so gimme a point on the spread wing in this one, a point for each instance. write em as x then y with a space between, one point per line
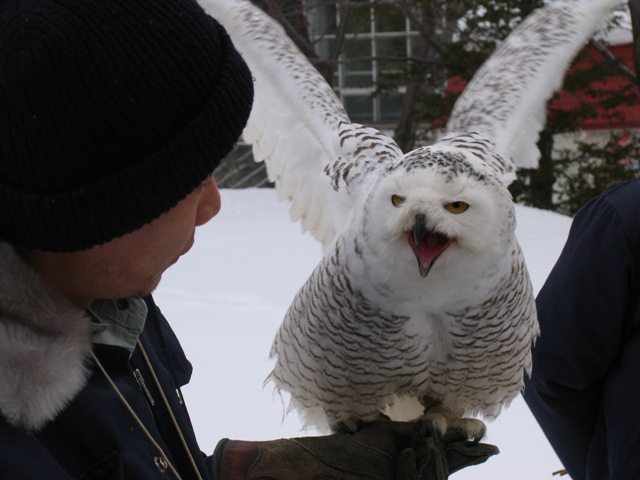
507 98
317 158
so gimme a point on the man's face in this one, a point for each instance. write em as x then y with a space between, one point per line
133 264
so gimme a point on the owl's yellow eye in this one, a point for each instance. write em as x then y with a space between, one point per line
397 200
457 207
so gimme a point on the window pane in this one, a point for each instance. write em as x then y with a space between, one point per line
389 19
358 48
360 108
390 107
357 79
321 19
357 67
324 47
391 52
392 46
359 18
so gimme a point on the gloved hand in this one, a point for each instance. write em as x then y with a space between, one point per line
380 450
431 456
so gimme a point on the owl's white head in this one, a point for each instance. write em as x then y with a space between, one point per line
439 206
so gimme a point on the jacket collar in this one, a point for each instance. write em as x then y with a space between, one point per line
45 342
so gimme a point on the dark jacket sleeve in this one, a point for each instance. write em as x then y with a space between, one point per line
584 390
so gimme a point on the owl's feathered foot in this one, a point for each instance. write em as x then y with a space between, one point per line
444 420
353 425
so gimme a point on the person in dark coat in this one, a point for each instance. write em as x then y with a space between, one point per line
584 391
113 116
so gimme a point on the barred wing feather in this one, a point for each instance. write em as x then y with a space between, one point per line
506 100
298 125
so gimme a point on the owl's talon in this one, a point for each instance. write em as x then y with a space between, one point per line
446 422
472 432
352 425
438 422
346 426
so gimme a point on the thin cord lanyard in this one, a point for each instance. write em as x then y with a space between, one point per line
164 457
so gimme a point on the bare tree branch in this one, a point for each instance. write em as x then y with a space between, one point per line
624 70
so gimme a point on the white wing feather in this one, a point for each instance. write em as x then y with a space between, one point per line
507 98
297 123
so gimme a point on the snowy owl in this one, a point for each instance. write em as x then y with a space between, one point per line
423 293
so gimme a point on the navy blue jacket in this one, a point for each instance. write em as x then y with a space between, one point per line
585 389
95 437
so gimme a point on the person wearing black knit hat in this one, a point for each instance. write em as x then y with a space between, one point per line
114 115
105 117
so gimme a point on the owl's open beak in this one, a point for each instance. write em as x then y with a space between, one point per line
427 245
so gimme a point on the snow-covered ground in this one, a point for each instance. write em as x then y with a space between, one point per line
226 298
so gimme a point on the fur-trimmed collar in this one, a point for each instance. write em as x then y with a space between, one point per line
44 345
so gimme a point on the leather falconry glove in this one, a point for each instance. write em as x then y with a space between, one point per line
379 450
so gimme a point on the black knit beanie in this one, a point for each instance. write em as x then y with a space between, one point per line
111 112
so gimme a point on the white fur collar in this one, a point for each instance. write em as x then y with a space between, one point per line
44 345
